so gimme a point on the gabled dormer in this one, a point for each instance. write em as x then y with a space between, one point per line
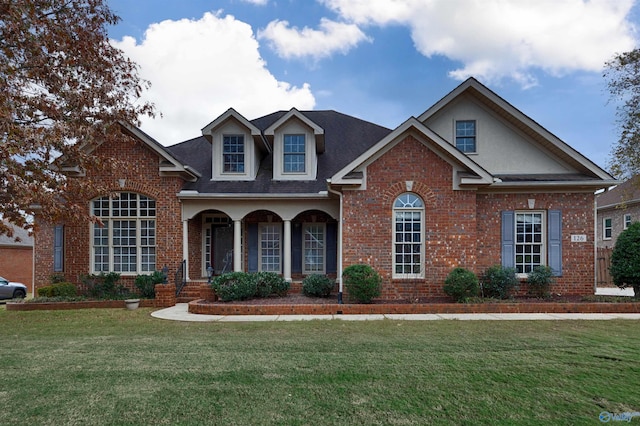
297 141
236 147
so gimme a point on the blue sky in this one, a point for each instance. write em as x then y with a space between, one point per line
381 60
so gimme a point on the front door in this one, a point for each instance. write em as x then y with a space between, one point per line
222 256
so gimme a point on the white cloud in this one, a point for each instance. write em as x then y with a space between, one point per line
257 2
295 43
500 38
200 68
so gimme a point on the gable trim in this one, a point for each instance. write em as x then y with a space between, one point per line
318 131
473 173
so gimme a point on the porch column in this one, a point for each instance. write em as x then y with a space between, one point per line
286 261
237 245
185 248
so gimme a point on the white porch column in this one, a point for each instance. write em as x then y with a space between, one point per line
185 248
286 261
237 245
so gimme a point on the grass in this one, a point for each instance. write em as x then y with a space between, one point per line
118 367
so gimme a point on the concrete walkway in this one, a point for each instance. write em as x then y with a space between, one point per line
180 313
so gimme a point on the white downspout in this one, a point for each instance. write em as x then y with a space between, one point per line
339 194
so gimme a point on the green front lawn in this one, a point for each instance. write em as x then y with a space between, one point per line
117 367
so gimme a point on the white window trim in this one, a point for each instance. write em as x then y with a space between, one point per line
627 223
455 137
306 226
261 225
109 220
423 249
306 155
217 166
294 128
544 244
604 228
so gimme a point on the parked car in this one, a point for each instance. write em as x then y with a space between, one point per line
10 290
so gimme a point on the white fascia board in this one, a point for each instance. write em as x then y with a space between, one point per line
519 115
596 184
206 130
318 131
155 146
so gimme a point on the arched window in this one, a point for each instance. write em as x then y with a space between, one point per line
408 246
125 240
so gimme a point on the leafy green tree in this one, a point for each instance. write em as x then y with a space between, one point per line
64 86
625 259
623 79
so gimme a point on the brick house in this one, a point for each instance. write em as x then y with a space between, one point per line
471 182
16 257
616 209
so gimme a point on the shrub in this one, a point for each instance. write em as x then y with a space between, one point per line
363 282
57 278
60 289
234 286
104 286
498 281
146 284
461 284
625 259
540 280
317 285
268 283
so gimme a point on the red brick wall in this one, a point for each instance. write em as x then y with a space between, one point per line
462 228
578 259
450 219
142 176
16 264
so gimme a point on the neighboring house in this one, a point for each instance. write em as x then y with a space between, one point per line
16 256
617 208
471 182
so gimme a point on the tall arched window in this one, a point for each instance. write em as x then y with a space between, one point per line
408 247
125 240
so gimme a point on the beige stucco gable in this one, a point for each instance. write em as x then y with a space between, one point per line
501 148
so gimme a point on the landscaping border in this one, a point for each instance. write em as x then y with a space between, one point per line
84 304
201 306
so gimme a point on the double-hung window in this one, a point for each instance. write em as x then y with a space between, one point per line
313 240
466 135
125 240
627 220
233 154
529 241
607 227
270 253
294 151
408 247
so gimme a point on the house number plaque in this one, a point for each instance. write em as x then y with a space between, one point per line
579 238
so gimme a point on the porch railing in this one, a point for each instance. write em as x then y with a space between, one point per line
181 277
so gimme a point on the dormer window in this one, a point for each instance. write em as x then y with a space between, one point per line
294 154
233 154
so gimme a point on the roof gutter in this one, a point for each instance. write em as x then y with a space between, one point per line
194 195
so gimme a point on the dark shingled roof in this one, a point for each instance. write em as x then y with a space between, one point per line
626 192
346 138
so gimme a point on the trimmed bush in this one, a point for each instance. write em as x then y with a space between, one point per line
268 283
104 286
146 284
234 286
362 282
625 259
498 281
461 284
317 285
60 289
540 280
